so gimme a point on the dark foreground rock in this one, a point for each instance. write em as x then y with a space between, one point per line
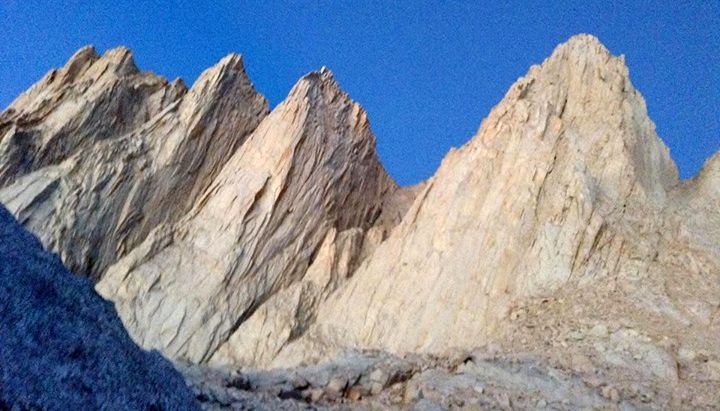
62 347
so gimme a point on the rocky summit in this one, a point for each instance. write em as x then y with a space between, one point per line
555 260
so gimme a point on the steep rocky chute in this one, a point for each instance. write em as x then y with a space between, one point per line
64 347
101 153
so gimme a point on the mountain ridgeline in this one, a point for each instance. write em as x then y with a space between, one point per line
230 235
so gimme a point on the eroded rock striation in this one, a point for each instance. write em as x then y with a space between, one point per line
99 153
293 203
63 346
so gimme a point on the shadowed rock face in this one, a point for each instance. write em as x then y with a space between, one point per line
63 347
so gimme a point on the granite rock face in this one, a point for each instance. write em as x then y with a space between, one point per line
91 98
292 204
561 231
559 236
241 205
99 153
563 186
63 347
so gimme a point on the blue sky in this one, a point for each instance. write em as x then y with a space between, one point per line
426 72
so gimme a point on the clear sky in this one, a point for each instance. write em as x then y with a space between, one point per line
426 72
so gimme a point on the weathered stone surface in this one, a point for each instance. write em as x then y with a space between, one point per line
307 172
565 210
564 185
91 99
288 312
106 178
225 236
63 347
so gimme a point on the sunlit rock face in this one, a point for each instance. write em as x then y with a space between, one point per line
303 190
564 185
97 154
234 236
201 180
561 229
63 346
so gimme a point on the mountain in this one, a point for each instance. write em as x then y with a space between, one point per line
97 154
305 184
559 230
559 238
242 203
561 187
64 347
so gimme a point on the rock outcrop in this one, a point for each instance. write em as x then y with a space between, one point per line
559 236
282 224
64 347
559 188
99 153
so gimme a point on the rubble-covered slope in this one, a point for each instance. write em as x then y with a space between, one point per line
63 347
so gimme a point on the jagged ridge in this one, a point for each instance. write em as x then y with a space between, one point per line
563 216
114 178
308 171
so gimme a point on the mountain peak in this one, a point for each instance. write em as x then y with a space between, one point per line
309 169
322 76
584 43
317 83
224 83
83 55
226 234
122 59
232 61
583 88
325 71
584 56
229 67
568 151
584 50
